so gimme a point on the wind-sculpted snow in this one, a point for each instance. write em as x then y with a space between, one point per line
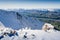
28 34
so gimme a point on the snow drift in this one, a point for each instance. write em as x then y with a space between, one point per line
28 34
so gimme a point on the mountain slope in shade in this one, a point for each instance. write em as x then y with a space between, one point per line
17 20
1 25
9 19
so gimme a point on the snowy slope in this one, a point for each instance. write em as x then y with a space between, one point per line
28 34
16 20
33 35
1 25
10 21
40 35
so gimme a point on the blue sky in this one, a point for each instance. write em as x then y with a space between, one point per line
29 4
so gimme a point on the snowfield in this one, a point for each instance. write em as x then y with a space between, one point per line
34 35
28 33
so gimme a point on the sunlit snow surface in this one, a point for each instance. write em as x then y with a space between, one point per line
38 35
28 34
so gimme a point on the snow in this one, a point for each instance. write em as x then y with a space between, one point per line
32 34
49 25
25 32
29 34
39 35
1 25
19 20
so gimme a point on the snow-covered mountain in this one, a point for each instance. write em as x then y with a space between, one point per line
17 20
10 21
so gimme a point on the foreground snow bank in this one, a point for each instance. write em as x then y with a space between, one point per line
28 34
34 35
39 35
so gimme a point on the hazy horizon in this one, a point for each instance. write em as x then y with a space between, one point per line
29 4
